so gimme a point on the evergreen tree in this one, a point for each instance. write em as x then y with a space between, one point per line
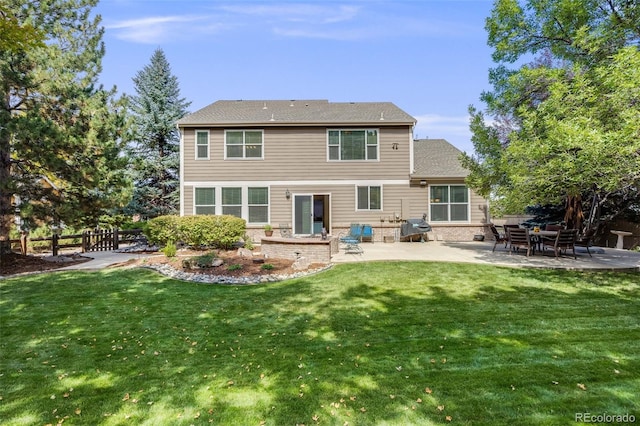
56 125
156 148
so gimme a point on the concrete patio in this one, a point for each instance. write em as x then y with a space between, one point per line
604 258
480 252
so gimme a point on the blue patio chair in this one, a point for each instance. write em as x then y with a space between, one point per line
352 240
367 233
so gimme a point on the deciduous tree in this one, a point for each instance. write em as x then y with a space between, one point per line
568 123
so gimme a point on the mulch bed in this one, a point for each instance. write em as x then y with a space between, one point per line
15 263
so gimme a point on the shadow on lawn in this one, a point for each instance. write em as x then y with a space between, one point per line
367 349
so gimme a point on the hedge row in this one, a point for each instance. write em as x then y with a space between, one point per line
196 231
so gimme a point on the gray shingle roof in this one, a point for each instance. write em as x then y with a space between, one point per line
292 112
437 158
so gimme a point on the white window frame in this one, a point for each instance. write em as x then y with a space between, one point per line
217 188
449 203
244 144
369 209
222 205
214 205
268 205
366 145
198 145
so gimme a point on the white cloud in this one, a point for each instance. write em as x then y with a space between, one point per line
156 29
455 129
432 124
295 20
307 13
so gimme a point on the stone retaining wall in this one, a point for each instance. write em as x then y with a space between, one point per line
315 250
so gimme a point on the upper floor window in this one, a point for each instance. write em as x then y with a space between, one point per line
369 198
346 145
243 144
202 144
449 203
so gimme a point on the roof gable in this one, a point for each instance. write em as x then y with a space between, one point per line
297 112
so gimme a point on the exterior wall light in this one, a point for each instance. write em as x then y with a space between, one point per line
287 194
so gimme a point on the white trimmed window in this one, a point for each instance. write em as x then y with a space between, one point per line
243 144
258 201
202 144
352 145
369 198
205 201
449 203
232 201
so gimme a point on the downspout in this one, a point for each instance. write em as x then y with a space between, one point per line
411 163
181 187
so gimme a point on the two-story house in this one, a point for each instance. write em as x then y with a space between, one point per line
316 164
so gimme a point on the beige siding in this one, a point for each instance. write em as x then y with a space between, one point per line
295 159
296 154
187 196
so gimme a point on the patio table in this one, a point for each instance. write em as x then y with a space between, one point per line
538 235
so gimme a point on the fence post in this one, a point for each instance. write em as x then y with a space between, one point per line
116 239
54 244
23 243
84 241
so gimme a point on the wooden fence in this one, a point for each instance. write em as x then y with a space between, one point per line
87 241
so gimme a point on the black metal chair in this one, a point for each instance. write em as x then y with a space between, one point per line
498 237
584 240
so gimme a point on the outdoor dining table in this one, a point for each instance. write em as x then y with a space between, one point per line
537 236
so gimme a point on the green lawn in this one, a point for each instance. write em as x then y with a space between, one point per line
360 344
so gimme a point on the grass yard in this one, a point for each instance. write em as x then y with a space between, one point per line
362 344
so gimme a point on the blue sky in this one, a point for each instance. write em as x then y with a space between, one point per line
428 57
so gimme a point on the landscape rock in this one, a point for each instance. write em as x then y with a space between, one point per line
245 253
300 263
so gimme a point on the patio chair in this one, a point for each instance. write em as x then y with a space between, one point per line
367 233
352 240
520 238
285 230
584 240
564 241
498 237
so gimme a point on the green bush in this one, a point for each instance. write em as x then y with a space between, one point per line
170 249
204 260
234 267
248 242
197 231
267 266
162 229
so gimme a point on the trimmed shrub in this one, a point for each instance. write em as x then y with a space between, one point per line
162 229
197 231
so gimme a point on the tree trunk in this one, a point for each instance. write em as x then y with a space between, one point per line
574 216
6 194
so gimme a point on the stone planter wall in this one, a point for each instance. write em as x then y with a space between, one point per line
315 250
